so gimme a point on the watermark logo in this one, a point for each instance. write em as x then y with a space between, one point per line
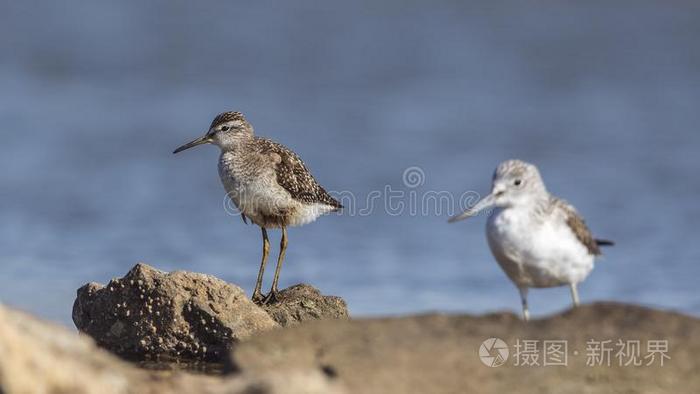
413 177
412 197
493 352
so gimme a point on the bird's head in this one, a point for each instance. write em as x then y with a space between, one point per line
514 183
226 131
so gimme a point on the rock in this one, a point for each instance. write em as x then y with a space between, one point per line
187 316
38 357
182 315
43 358
268 382
301 303
440 353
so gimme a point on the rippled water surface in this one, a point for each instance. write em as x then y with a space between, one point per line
602 95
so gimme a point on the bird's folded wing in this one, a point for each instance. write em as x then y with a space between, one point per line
294 177
578 227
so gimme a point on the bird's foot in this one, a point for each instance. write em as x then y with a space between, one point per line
258 297
271 297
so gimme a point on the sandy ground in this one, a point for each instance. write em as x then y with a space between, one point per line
607 349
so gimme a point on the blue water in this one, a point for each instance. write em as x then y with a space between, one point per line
601 95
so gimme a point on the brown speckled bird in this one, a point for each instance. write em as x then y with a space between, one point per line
269 184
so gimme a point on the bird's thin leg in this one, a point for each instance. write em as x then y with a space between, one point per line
523 299
275 281
574 294
257 294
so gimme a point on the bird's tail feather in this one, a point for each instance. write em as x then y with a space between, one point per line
604 242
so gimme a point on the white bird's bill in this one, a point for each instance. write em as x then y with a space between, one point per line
485 203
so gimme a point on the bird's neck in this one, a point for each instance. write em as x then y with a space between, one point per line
236 144
533 205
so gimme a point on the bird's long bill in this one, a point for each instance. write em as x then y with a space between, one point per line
485 203
199 141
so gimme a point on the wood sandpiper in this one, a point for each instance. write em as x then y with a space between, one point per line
269 184
538 239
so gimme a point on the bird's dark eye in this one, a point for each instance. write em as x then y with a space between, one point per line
517 182
224 128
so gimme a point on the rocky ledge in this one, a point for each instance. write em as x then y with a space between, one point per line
187 316
415 354
300 346
39 357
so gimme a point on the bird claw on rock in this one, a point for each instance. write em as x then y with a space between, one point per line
258 298
271 297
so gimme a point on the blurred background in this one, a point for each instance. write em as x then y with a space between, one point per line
94 96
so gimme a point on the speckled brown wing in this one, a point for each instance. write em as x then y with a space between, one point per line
579 228
294 177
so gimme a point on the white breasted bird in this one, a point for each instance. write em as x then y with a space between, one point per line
538 239
269 184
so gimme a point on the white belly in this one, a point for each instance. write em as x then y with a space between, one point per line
262 200
537 254
256 198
